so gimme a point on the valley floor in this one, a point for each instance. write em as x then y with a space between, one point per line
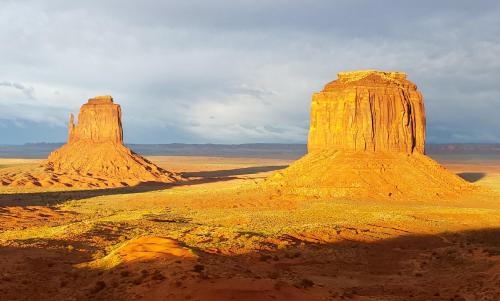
215 237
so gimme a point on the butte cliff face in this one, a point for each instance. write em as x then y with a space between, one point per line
95 149
368 110
94 155
99 121
367 140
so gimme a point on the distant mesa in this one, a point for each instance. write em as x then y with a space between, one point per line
367 141
94 155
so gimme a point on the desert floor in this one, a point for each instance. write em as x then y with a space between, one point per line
213 238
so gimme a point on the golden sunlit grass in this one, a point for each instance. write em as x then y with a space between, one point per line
227 215
231 216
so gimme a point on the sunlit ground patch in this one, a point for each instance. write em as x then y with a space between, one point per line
143 249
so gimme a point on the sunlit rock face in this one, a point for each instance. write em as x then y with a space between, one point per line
94 157
99 120
367 141
95 150
368 111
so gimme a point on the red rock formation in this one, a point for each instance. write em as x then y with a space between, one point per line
366 141
368 110
94 155
99 120
95 148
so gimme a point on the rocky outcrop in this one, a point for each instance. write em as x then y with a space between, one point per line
368 111
99 120
94 155
367 141
95 148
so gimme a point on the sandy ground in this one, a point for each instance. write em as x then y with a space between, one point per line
214 237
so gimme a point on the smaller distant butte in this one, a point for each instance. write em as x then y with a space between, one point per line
94 156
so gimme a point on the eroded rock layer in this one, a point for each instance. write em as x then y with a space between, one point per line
99 120
94 155
366 141
368 110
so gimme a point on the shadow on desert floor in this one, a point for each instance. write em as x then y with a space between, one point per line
233 172
192 178
51 198
472 177
448 266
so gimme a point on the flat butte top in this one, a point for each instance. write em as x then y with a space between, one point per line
369 78
103 99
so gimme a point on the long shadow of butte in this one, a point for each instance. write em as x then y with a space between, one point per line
233 172
51 198
472 177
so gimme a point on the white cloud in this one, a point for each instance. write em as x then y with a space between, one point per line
238 71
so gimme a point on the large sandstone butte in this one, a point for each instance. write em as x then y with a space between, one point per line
367 141
95 148
94 155
99 121
368 111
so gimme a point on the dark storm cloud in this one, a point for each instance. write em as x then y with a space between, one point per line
242 71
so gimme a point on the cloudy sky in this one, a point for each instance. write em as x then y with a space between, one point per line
235 71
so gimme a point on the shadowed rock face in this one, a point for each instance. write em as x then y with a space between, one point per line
366 141
368 111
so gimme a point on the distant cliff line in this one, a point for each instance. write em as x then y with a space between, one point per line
263 150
